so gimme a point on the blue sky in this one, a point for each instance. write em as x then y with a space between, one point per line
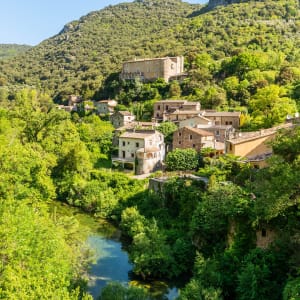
31 21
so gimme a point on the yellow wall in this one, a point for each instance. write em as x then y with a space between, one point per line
253 147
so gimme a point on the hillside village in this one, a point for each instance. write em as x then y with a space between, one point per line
151 150
141 147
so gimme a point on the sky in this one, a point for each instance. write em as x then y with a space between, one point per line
32 21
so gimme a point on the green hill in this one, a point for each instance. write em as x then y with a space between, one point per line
87 51
9 50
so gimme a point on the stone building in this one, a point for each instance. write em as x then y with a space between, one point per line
132 126
105 107
254 146
223 117
189 137
121 118
150 69
162 109
195 122
221 132
143 149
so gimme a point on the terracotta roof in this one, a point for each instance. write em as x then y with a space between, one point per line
125 113
185 112
222 114
136 135
199 131
170 101
149 59
197 117
253 135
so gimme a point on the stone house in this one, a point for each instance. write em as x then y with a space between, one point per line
73 100
223 117
165 107
121 118
105 107
189 137
221 132
143 149
195 122
254 146
133 126
150 69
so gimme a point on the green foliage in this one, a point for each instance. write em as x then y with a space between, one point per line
117 291
182 160
9 50
270 107
37 263
167 129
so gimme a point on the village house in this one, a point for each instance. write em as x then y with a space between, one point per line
195 122
189 137
254 146
144 150
105 107
133 126
73 100
150 69
121 118
221 132
163 110
223 117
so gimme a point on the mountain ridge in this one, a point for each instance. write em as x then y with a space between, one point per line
87 51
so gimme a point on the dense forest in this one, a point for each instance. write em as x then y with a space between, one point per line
49 155
243 56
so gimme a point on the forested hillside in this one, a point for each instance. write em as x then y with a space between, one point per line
9 50
87 51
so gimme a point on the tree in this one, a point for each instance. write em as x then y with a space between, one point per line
269 107
117 291
182 160
167 129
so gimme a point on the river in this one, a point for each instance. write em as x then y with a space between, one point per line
111 261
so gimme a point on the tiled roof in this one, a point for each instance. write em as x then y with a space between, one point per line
125 113
136 135
222 114
185 112
149 59
248 136
199 131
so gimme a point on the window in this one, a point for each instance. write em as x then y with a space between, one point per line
137 144
263 232
230 147
132 155
157 114
172 66
167 107
194 146
179 142
128 143
226 123
217 133
230 123
158 107
191 136
179 133
123 143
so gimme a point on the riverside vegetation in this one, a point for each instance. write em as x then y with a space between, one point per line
244 56
47 154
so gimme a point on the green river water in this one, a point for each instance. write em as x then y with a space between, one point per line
110 261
